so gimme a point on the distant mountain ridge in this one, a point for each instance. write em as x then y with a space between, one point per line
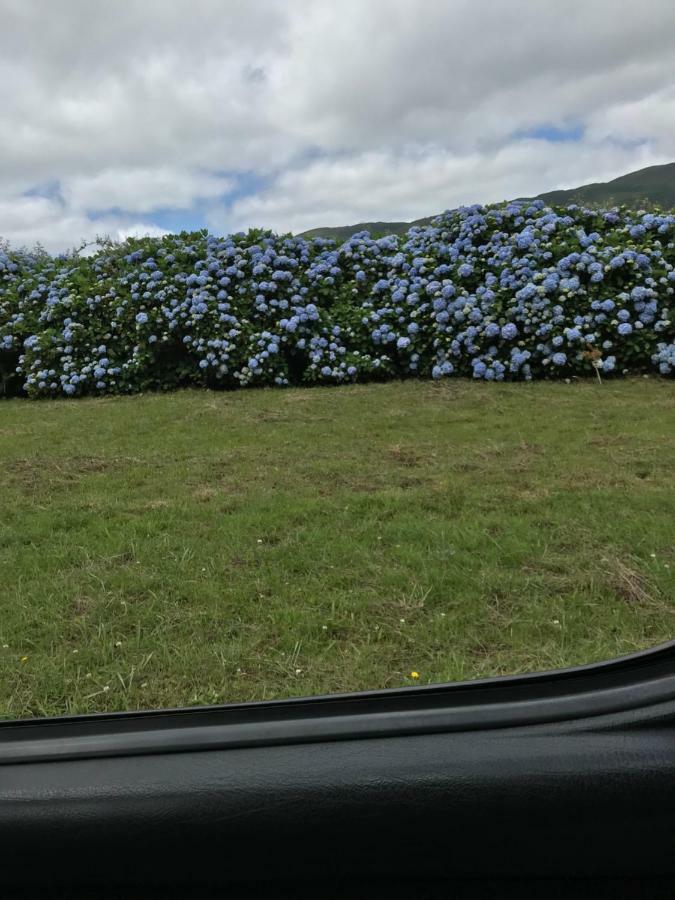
653 186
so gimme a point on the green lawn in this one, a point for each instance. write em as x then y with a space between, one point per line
195 547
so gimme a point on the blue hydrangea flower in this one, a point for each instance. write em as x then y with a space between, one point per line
352 308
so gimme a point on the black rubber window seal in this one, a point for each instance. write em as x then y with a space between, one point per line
640 680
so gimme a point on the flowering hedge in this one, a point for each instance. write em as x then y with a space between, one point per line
519 291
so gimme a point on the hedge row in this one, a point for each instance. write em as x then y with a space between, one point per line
519 291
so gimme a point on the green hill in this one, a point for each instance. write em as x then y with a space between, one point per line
653 186
377 229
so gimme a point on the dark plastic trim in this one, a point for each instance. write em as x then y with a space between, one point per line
640 680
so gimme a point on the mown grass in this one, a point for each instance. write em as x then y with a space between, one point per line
202 547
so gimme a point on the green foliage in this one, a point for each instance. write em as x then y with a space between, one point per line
514 292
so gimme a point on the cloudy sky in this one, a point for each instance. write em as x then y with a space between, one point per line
145 116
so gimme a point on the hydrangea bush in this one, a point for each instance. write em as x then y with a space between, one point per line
519 291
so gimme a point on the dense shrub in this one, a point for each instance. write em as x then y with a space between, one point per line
519 291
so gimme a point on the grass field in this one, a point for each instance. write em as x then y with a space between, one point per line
207 547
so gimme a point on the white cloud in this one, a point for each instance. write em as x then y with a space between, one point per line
466 74
30 220
652 116
140 230
403 105
142 190
385 185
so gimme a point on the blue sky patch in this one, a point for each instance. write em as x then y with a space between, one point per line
553 133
